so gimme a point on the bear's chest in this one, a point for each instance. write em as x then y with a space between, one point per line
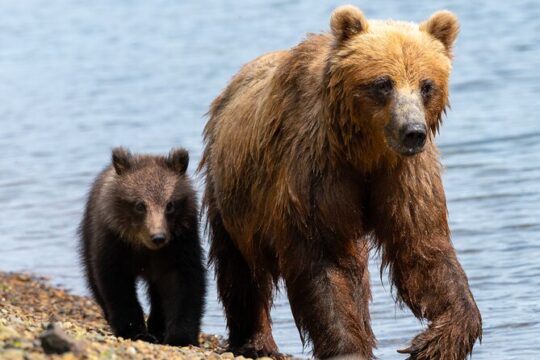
150 265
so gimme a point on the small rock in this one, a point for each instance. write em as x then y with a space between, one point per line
131 350
55 341
7 332
23 277
15 320
12 354
227 355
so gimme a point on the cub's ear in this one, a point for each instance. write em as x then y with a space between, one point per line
443 26
178 160
122 160
347 21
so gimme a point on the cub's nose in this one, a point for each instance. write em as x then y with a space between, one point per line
158 239
413 137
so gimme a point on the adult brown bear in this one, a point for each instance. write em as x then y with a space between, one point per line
316 152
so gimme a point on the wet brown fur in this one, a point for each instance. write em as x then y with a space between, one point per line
117 249
300 177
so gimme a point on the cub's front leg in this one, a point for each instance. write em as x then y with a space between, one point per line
181 301
125 315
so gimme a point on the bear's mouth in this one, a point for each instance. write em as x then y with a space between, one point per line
154 243
411 151
153 246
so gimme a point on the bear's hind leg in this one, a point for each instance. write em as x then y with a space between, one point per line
92 285
89 265
247 301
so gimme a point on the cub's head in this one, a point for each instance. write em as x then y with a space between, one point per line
389 79
149 198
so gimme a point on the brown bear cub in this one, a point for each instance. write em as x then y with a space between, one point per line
141 221
317 153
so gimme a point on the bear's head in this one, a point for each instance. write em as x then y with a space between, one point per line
149 198
388 80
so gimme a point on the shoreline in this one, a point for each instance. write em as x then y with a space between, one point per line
28 304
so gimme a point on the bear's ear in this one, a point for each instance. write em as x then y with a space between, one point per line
347 21
121 160
178 160
443 26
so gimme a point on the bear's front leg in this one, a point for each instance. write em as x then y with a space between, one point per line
408 214
156 319
435 287
181 299
329 293
124 313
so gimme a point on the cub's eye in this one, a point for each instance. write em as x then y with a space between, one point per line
140 207
427 88
169 208
383 85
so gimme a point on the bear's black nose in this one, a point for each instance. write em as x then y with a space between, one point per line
158 239
413 137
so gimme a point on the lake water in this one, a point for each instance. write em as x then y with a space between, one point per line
77 78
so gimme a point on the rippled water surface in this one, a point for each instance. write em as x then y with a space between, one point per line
77 78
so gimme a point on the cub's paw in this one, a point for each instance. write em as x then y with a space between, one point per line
146 337
181 339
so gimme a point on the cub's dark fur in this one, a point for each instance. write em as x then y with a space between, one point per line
141 221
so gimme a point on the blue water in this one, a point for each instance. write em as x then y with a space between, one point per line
77 78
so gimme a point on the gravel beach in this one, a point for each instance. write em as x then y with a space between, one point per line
38 321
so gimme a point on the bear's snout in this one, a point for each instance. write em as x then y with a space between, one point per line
406 132
159 239
413 137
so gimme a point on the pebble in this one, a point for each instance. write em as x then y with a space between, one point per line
227 355
7 332
131 350
12 354
15 320
55 341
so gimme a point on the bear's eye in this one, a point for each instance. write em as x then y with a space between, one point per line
427 88
381 89
140 207
169 208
